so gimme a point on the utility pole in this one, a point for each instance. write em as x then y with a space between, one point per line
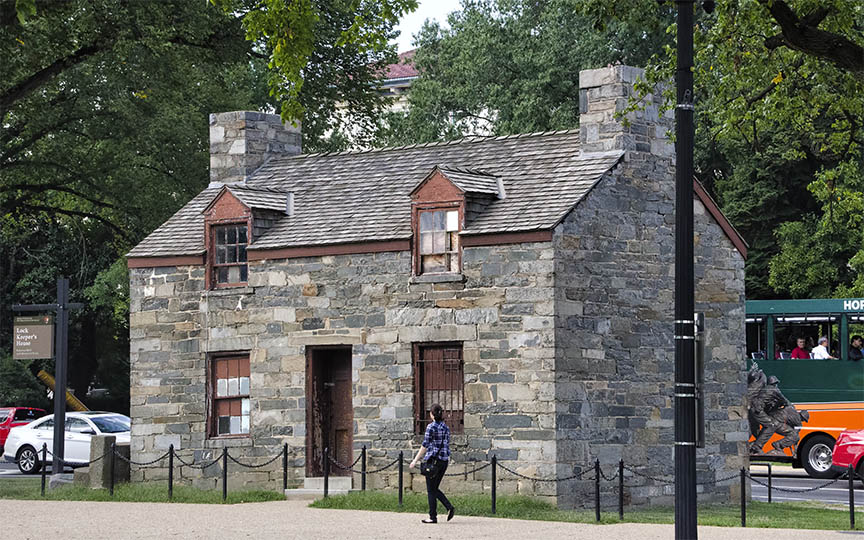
685 368
61 359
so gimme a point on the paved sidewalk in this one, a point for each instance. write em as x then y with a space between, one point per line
41 520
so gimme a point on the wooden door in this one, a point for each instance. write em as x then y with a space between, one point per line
329 409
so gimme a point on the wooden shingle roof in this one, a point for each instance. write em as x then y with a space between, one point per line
363 196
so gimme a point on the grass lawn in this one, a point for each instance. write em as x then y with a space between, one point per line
29 488
759 514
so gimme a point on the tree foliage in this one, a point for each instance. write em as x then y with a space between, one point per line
512 66
324 57
104 111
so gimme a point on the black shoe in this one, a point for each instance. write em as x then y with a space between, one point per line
429 520
451 513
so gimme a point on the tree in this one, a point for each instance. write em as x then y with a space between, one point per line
104 107
324 57
512 66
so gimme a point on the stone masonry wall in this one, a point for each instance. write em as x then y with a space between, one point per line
503 314
615 359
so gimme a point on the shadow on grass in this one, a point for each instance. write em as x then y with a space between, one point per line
759 514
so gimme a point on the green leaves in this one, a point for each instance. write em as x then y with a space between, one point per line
295 34
512 66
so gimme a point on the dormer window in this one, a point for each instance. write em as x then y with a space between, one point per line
237 216
229 257
439 241
442 203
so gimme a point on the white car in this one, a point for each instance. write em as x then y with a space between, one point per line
24 444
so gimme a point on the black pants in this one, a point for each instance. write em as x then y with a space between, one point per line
435 494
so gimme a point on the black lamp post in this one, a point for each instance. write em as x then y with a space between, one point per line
685 369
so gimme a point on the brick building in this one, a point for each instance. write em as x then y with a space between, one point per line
525 282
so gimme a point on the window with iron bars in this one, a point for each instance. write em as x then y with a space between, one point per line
439 378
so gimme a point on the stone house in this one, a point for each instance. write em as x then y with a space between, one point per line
524 282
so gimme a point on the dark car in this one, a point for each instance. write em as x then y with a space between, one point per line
16 416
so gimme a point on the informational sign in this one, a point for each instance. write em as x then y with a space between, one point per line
33 337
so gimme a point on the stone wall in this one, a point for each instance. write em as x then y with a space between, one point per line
615 358
502 312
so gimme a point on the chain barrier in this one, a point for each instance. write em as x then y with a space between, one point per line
69 464
803 490
279 455
140 463
480 468
608 479
534 479
657 479
352 469
193 465
718 480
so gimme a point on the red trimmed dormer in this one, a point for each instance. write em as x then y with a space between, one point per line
233 219
441 204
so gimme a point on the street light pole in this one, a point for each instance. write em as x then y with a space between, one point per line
685 370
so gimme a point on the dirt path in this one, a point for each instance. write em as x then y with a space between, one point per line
49 520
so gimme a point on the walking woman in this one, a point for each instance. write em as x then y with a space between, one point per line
435 453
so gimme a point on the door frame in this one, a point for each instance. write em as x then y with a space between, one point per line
311 351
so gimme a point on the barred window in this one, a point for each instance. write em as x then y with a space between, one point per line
229 254
439 378
230 390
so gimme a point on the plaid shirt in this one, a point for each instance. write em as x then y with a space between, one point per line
437 441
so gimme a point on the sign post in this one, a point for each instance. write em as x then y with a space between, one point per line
34 341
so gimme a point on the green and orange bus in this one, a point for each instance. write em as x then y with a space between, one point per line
831 390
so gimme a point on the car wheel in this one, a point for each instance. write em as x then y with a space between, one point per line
28 460
816 456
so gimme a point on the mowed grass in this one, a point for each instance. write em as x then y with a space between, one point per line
29 488
759 514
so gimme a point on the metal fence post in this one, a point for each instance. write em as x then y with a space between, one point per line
769 482
285 466
621 489
743 499
494 483
851 497
401 466
597 489
170 471
44 465
326 464
111 472
225 474
363 469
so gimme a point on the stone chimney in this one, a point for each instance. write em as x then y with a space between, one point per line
242 141
606 91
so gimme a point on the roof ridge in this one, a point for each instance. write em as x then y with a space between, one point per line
466 170
464 140
256 188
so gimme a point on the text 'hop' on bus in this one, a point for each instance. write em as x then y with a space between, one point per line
830 389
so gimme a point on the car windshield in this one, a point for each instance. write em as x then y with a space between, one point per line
111 424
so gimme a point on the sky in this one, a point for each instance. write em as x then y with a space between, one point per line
428 9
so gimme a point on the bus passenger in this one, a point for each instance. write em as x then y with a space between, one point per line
820 352
800 352
855 350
